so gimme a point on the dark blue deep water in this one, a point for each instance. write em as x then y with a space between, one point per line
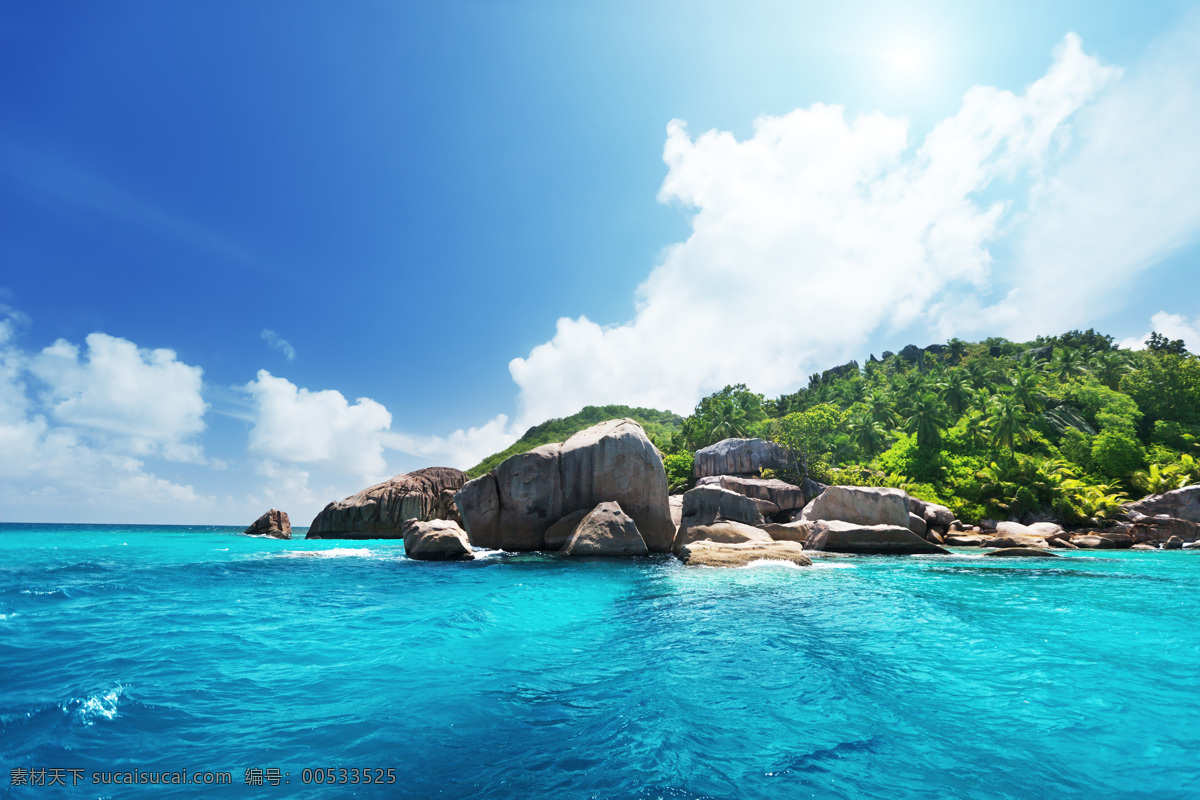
175 648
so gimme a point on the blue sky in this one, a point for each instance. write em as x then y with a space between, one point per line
264 254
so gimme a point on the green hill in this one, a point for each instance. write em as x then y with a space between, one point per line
659 425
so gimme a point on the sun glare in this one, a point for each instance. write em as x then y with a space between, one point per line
906 61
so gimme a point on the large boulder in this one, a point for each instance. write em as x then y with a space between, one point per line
436 540
917 524
274 523
675 502
380 511
715 554
724 531
862 505
558 533
966 540
511 507
740 457
1180 503
1159 529
606 531
705 505
772 495
836 536
788 531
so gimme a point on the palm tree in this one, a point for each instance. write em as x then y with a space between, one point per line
1159 479
879 408
1108 366
926 418
955 349
955 391
1068 365
1007 421
730 422
868 435
1025 383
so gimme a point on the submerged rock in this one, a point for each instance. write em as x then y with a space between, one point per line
606 531
714 554
836 536
274 523
1022 552
380 511
513 506
436 540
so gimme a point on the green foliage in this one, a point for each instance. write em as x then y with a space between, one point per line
680 470
812 436
659 426
1177 435
1165 386
732 413
1116 454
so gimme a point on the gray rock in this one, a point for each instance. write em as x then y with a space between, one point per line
938 515
606 531
675 502
436 540
788 531
725 531
1181 504
836 536
705 505
274 523
380 511
1174 543
863 505
558 533
775 493
740 457
713 554
917 525
513 506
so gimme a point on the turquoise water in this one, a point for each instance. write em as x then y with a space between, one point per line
522 677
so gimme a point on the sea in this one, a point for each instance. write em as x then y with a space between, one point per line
252 667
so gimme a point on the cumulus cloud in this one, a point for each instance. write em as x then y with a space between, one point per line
463 448
85 467
1172 326
144 402
279 343
808 237
299 426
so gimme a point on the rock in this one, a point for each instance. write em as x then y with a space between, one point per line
1041 353
1061 541
1174 543
1090 542
783 496
740 457
379 512
862 505
1191 545
705 505
436 540
675 502
910 353
1179 504
726 532
1013 529
1143 546
1159 529
932 535
812 489
837 536
938 515
964 540
995 351
1022 552
1047 529
513 506
274 523
606 531
558 533
1011 539
956 526
712 554
789 531
917 524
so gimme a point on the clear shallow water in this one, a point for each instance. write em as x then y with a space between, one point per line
519 677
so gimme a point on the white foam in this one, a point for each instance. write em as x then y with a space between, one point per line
336 552
772 562
833 564
99 705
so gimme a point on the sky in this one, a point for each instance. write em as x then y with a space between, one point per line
265 255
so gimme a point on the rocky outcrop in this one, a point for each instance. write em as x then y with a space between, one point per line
513 506
862 505
436 540
1022 552
772 495
274 523
917 524
789 531
675 502
836 536
724 531
1174 543
1157 530
966 540
558 533
380 511
1179 504
606 531
740 457
705 505
1102 540
714 554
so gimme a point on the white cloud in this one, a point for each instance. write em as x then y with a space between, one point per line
299 426
279 343
138 401
1172 326
84 470
807 238
462 448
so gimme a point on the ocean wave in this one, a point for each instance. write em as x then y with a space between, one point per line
336 552
97 705
772 563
